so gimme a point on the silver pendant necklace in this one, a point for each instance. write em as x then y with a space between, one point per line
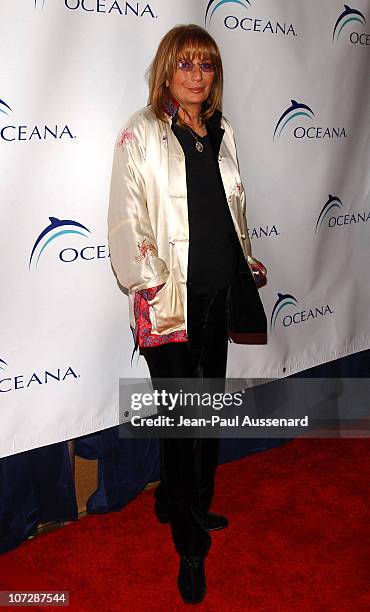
198 144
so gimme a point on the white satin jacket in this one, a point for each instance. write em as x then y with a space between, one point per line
148 216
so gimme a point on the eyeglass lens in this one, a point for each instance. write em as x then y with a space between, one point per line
188 66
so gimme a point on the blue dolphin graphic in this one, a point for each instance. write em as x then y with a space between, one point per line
296 106
54 223
219 3
279 304
346 13
332 202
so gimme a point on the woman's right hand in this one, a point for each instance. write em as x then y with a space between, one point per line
259 272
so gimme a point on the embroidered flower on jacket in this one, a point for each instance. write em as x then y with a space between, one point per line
238 186
144 249
126 136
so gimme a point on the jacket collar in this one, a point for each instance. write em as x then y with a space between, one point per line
171 108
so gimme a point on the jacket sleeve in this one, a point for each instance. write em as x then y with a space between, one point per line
132 245
243 199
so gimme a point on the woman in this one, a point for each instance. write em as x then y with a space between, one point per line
179 244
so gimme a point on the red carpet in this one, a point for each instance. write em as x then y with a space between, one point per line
299 539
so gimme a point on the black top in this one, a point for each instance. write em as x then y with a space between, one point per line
212 248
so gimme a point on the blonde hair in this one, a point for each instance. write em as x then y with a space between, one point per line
183 42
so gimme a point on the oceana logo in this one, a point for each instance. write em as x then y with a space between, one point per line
3 364
332 215
37 379
247 24
114 7
299 109
345 26
62 227
213 5
282 312
4 107
16 132
266 231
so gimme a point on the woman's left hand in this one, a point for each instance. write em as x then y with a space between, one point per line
259 273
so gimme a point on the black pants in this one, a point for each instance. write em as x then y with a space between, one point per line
188 465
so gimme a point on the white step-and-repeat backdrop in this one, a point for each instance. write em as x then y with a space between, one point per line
72 71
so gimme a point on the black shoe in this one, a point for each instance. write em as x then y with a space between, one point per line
212 521
208 520
191 579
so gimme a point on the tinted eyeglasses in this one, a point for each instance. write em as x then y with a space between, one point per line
188 66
